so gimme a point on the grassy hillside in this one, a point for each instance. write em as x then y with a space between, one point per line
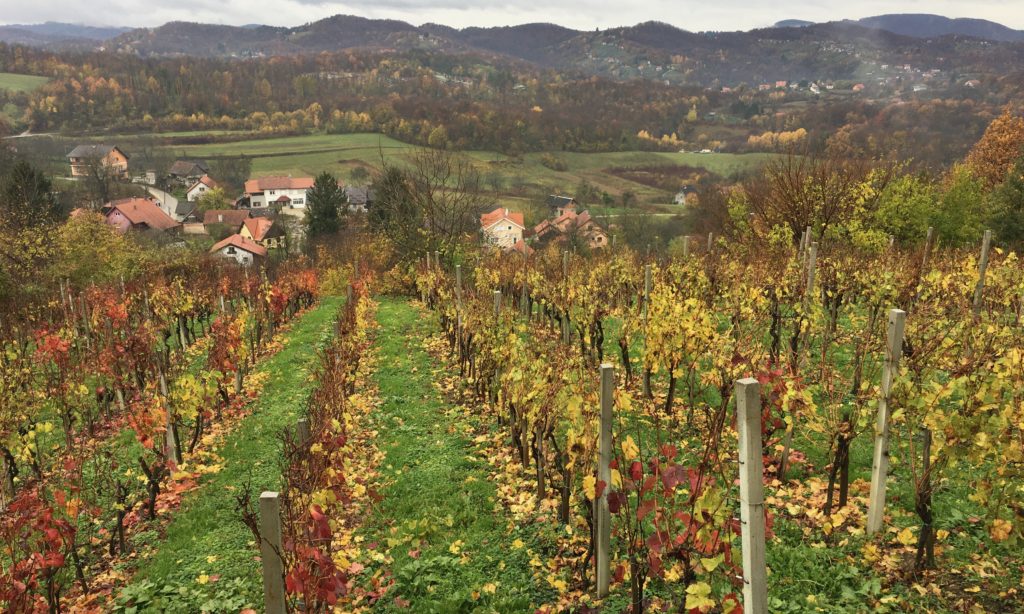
20 83
515 177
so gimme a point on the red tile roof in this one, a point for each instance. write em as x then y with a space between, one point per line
258 227
142 211
521 247
240 242
489 219
205 180
231 217
278 183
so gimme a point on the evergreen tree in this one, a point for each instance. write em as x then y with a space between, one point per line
1008 206
27 198
325 203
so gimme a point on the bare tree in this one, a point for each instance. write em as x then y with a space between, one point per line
798 190
429 205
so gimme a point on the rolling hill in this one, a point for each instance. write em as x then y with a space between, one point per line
791 50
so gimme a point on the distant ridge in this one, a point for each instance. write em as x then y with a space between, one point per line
792 23
792 50
926 25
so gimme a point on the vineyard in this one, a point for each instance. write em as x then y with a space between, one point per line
742 427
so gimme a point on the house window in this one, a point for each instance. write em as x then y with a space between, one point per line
298 201
231 250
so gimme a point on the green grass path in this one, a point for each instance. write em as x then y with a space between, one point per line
206 536
438 503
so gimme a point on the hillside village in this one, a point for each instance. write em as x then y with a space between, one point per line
266 215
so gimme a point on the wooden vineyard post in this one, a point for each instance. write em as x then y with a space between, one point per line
755 571
566 328
686 247
496 384
602 516
787 438
302 434
880 462
647 300
270 553
524 299
986 245
348 295
6 484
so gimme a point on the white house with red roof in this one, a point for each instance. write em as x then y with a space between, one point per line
200 187
502 228
240 249
287 192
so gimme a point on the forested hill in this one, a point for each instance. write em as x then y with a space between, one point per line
651 50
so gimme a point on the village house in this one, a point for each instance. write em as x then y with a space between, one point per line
560 204
502 228
240 249
110 157
685 195
200 187
570 224
187 172
179 211
359 198
232 219
287 192
138 214
263 231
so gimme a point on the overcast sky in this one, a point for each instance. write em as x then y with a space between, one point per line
581 14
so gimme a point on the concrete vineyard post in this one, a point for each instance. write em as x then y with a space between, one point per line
602 516
812 264
302 434
927 250
458 287
437 259
880 462
686 247
711 241
270 553
755 571
979 290
647 289
497 303
170 435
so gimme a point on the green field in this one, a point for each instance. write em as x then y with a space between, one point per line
20 83
518 178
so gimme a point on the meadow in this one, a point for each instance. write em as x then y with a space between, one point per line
513 177
20 83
